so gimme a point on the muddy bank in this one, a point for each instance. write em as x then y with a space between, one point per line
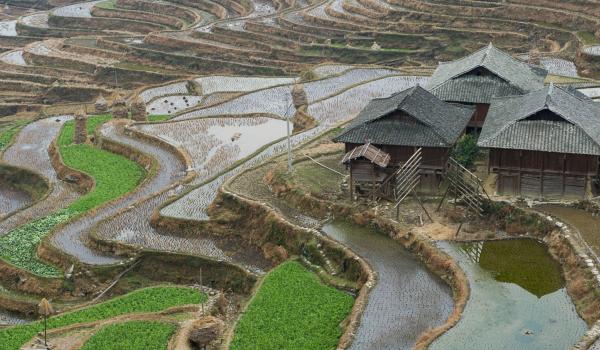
8 318
12 199
407 299
584 221
19 188
518 299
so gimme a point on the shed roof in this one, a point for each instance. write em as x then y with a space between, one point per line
577 131
450 81
370 152
437 123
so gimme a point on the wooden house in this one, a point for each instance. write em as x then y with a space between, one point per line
544 144
476 79
396 127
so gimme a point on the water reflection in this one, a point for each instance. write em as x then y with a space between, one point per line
518 300
523 262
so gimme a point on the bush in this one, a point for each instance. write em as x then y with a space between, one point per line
466 151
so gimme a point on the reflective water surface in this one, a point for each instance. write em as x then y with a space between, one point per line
518 299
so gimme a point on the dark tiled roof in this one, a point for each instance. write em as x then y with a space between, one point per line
474 89
512 72
370 152
507 126
437 123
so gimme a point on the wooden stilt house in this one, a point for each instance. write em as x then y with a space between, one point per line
544 144
487 73
389 130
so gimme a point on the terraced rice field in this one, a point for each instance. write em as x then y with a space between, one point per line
407 299
244 58
8 28
81 10
212 84
30 151
14 58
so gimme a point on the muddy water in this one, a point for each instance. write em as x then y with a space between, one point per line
518 299
12 199
587 225
8 318
407 298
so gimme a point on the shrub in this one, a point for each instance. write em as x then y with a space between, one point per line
466 151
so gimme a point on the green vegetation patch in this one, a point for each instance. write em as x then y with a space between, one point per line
114 176
158 117
8 132
466 151
133 335
107 5
318 179
293 309
588 38
152 299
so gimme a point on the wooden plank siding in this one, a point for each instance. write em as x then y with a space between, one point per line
542 174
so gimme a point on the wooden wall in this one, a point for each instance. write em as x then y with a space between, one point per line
434 158
547 162
542 174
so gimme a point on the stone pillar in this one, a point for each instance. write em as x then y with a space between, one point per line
101 105
80 128
534 57
138 110
119 109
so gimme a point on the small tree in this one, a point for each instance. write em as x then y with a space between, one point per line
466 151
45 309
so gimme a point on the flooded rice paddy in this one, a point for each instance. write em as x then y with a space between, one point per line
587 224
12 199
518 299
407 299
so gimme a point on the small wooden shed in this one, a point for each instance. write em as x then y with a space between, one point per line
545 144
393 128
487 73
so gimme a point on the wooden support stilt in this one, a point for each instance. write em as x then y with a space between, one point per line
458 230
422 206
443 198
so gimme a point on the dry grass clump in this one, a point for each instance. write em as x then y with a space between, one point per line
581 284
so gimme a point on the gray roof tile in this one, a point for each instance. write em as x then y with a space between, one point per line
506 125
439 124
512 72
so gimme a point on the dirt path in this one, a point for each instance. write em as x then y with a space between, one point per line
71 238
30 150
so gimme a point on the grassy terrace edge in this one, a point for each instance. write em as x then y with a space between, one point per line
152 299
114 176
